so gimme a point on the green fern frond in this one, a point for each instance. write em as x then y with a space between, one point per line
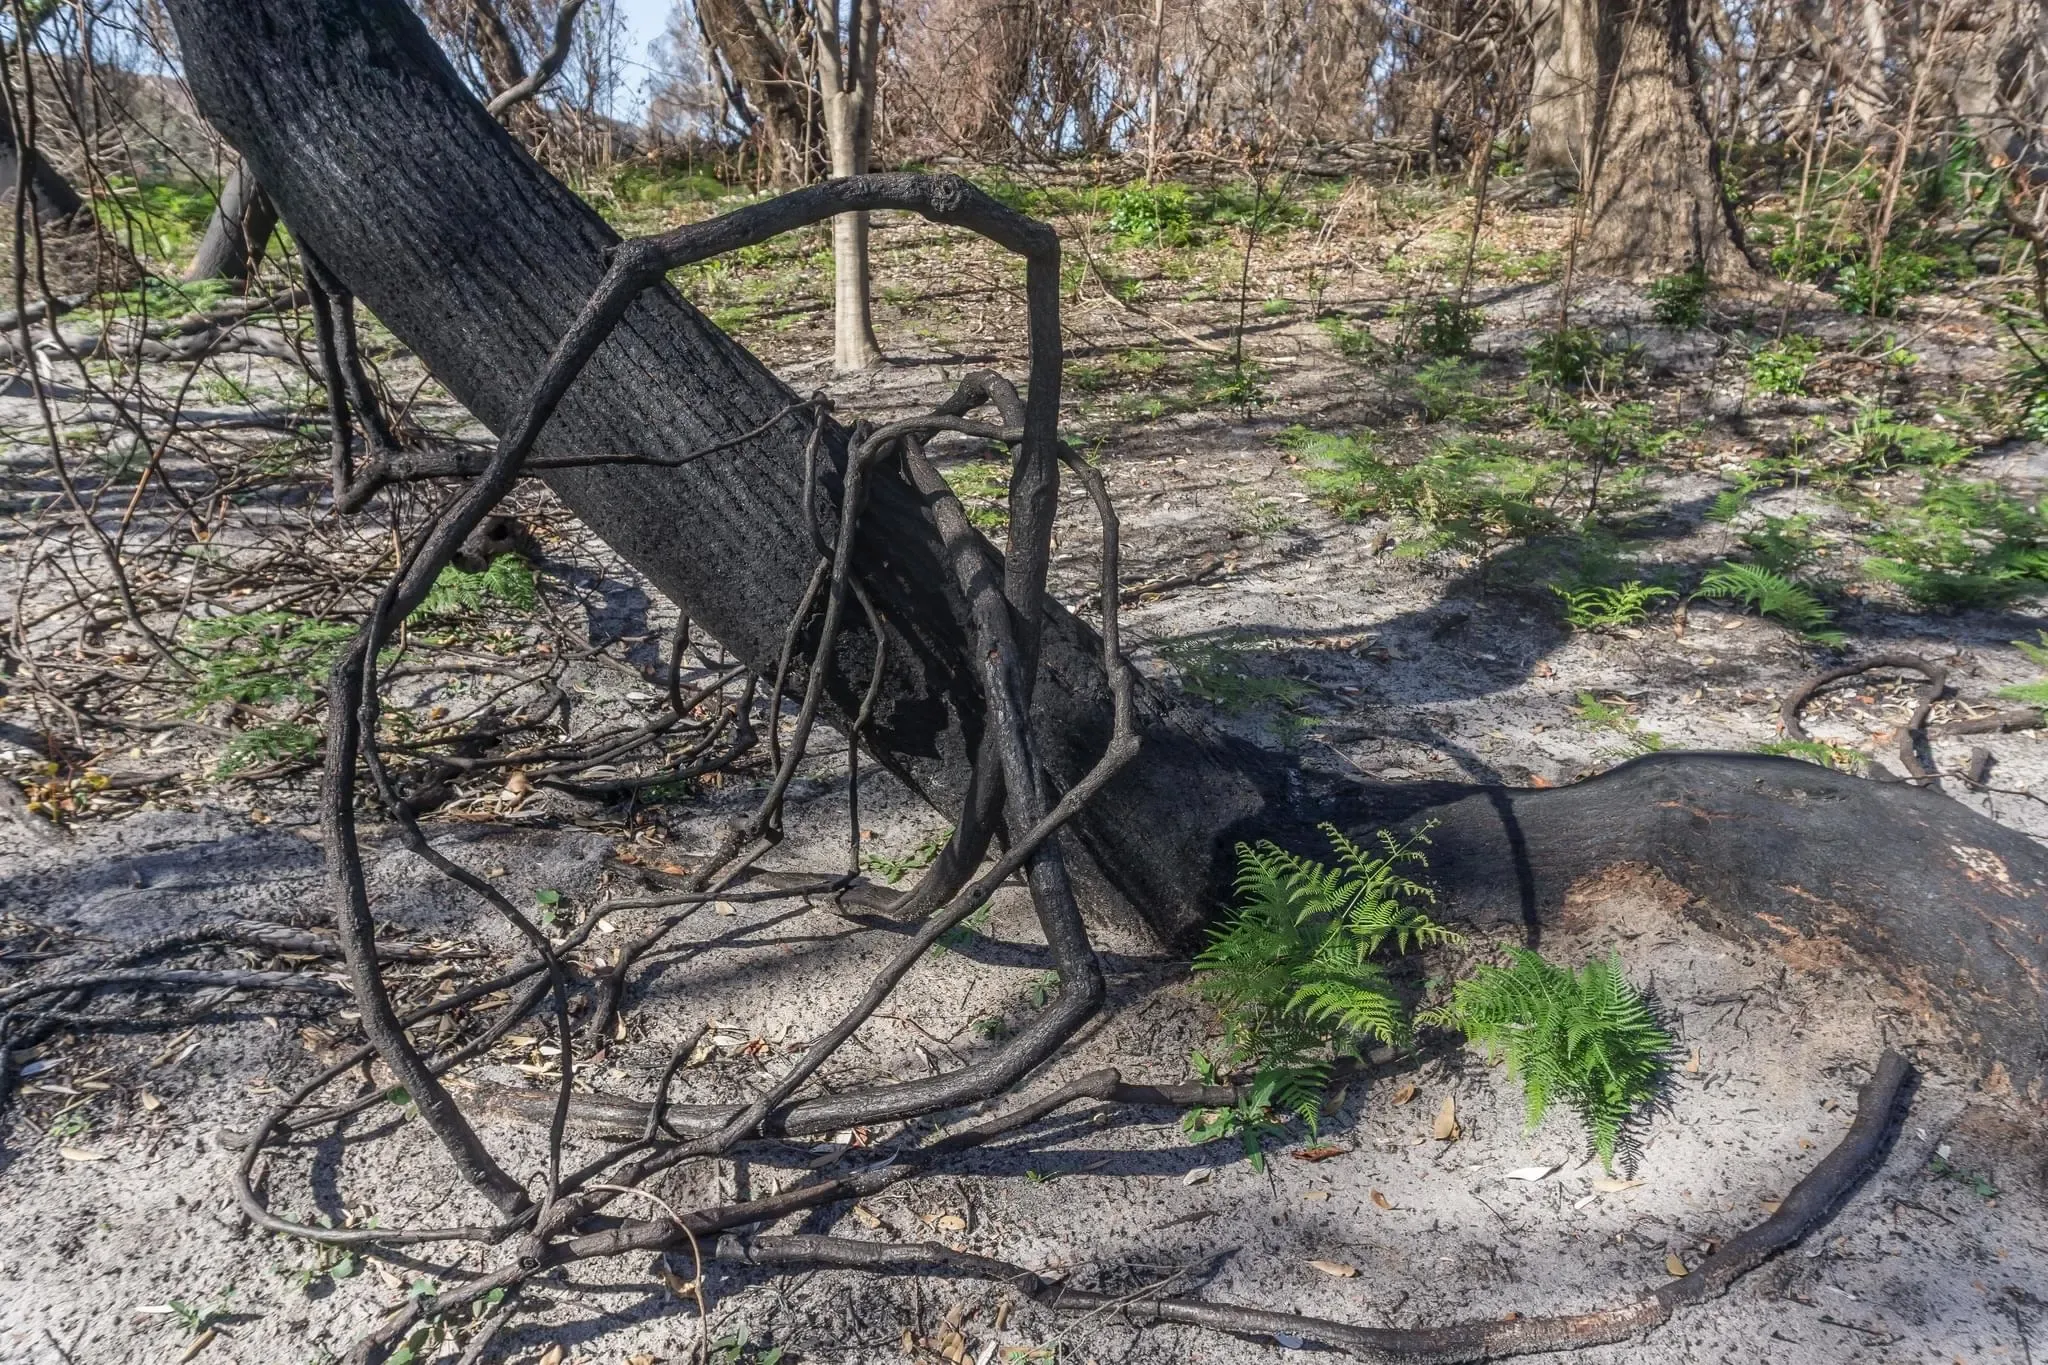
1770 594
1294 969
1587 1038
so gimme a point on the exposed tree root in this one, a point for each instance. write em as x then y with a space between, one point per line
1806 1207
1912 736
1817 867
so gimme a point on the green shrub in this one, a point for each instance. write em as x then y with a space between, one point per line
265 656
1579 358
1782 366
1781 544
1443 328
1879 291
1962 544
1681 300
1216 672
1232 384
265 745
1468 492
1609 608
1150 215
1447 389
1837 756
1353 340
1586 1038
1625 431
1882 442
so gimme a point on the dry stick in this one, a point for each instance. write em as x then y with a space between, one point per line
299 982
1913 734
1009 652
24 126
1809 1204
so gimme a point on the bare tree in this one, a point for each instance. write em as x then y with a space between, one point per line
761 53
847 47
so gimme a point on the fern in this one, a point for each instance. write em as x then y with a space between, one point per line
1605 608
1584 1038
1294 972
508 580
1773 595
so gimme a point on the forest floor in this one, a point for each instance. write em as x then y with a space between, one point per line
1335 541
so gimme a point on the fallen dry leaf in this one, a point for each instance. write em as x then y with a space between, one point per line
1317 1195
1693 1065
1405 1093
1672 1265
952 1222
80 1154
1528 1172
1446 1129
1320 1153
1608 1184
1198 1175
1770 1206
151 1102
1380 1201
552 1355
865 1217
199 1343
1340 1269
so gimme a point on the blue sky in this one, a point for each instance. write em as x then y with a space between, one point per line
644 21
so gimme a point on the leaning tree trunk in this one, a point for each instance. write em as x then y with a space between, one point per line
478 260
238 233
1657 204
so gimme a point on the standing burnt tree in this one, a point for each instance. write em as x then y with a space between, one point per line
1657 202
796 541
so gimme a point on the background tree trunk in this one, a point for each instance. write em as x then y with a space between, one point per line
1656 184
238 233
478 260
1566 74
846 79
55 204
764 60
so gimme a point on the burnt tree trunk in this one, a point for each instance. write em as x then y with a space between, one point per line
238 233
1657 204
478 260
51 198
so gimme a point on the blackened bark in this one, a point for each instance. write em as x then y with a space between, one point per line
396 178
238 233
401 184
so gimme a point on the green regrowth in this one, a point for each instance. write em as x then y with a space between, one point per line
1585 1038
